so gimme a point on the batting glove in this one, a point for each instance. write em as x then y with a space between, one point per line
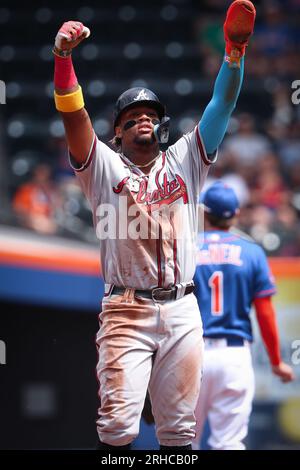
69 36
238 27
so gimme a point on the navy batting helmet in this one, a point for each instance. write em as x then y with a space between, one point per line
220 200
136 96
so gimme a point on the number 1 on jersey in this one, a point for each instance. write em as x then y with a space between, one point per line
215 282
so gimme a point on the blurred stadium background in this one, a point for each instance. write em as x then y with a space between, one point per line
50 289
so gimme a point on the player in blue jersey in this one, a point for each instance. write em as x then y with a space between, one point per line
232 274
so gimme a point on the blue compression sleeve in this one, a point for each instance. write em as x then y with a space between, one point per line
215 118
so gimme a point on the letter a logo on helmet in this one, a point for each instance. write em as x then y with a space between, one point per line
142 96
135 97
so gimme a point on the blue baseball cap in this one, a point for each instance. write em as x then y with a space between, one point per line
220 200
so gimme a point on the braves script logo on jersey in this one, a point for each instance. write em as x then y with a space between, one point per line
166 193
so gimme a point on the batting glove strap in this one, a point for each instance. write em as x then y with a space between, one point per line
61 52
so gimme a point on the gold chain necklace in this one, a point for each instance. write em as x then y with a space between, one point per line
147 164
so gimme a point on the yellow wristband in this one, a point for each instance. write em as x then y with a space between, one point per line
69 103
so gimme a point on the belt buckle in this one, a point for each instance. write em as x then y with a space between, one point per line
157 290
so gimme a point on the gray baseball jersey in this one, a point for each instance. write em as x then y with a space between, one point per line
146 224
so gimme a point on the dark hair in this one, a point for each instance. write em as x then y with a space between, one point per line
219 222
116 142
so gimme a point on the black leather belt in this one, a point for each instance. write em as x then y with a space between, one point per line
158 294
235 341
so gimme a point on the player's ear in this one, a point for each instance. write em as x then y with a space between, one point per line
118 132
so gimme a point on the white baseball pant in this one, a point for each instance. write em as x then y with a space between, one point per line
143 344
226 395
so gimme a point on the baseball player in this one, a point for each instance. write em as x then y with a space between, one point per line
144 208
232 273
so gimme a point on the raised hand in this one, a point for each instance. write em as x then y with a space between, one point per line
69 36
238 27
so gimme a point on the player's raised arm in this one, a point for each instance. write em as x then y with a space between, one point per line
238 27
68 94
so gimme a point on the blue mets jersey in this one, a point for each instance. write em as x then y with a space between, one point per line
231 272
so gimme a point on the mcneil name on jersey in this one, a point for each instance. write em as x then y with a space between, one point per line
220 253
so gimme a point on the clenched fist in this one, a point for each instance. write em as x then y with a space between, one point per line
238 27
69 36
